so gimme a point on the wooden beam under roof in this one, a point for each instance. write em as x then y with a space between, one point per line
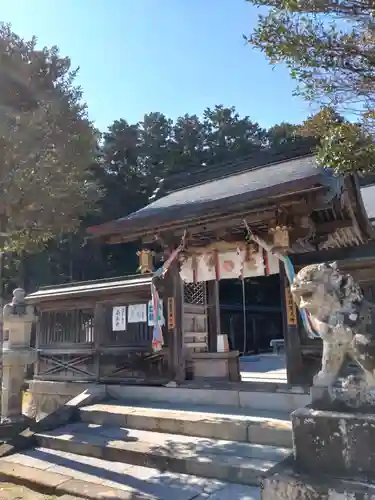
362 252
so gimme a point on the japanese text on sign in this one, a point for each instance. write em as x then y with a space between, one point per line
171 313
150 314
119 319
291 309
137 313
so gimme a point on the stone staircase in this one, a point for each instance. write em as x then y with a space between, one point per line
166 449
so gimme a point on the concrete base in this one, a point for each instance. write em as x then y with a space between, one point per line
283 402
48 396
286 484
217 365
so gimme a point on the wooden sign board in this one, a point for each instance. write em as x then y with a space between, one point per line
171 313
281 238
291 308
145 258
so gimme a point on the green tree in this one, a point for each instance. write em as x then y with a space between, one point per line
119 172
47 145
342 146
155 146
282 133
329 48
332 59
187 143
318 124
122 174
229 137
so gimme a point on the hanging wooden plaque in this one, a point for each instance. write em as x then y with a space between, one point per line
291 308
281 237
171 313
145 258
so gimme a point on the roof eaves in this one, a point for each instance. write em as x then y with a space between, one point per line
163 216
80 289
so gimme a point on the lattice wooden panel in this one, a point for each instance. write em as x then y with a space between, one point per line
195 293
67 327
195 317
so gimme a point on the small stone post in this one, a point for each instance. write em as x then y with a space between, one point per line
18 318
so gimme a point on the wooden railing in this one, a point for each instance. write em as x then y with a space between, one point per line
66 327
80 345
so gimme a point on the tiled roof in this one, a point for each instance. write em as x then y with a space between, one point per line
246 187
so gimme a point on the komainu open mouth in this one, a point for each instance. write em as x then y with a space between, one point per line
307 295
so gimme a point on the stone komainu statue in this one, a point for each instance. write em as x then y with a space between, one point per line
344 319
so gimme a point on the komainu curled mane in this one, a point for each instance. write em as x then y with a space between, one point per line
342 316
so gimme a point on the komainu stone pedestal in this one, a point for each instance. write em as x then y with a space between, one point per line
335 444
334 438
287 484
334 458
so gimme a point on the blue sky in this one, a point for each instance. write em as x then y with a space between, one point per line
172 56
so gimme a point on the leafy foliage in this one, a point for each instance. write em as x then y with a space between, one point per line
282 133
345 149
47 145
229 137
329 48
320 123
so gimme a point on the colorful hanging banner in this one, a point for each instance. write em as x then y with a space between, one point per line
150 313
157 335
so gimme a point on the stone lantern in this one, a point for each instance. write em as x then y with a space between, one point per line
18 319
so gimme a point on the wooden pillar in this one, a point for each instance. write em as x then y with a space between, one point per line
214 326
99 329
173 298
291 331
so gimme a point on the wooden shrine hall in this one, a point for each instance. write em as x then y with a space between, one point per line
222 295
288 202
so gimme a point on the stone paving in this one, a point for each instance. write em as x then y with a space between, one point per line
148 482
263 368
9 491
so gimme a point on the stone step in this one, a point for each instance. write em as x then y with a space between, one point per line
217 459
74 475
220 422
282 399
